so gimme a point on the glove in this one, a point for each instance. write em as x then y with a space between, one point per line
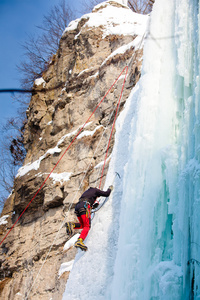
111 187
95 205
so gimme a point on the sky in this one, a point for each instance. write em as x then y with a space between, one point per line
18 18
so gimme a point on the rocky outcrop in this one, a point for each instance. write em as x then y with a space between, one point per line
92 53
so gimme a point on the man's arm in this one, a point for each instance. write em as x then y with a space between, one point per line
103 193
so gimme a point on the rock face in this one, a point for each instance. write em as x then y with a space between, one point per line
93 52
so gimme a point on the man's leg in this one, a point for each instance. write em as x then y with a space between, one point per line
85 222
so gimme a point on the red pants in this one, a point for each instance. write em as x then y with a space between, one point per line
85 223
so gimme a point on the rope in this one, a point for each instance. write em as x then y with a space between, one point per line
61 157
126 68
118 105
112 129
75 197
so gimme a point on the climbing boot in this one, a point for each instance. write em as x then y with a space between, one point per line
79 244
69 227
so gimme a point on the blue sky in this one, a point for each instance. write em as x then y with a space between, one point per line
17 19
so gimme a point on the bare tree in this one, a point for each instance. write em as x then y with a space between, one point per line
8 164
141 6
35 62
38 50
53 26
7 175
16 141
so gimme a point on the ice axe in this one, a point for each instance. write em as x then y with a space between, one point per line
116 174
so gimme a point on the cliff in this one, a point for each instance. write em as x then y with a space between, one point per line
93 52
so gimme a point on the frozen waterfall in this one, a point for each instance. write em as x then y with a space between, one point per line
145 242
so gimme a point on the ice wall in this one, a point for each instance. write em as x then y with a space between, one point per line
159 243
145 243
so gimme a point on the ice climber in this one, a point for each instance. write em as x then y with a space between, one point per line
83 211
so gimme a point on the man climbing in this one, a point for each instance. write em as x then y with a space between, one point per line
83 211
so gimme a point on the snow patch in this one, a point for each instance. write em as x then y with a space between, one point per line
66 267
137 43
71 242
113 20
53 150
88 132
99 165
40 81
30 166
36 164
60 177
3 220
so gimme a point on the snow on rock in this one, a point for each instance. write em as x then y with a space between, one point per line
113 20
3 220
61 177
40 81
30 166
53 150
74 132
99 165
36 164
88 132
66 267
19 294
137 43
